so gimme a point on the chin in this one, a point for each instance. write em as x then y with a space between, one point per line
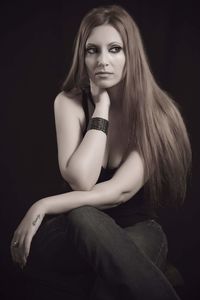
106 84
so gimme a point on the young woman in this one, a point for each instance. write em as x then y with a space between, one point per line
123 150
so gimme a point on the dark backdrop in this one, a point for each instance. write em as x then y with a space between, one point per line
36 52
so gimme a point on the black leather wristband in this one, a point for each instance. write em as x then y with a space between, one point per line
99 124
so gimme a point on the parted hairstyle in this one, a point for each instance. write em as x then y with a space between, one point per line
155 126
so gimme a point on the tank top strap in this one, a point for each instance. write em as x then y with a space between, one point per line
85 107
86 98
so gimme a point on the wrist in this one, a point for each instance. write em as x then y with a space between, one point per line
99 124
41 207
102 104
101 110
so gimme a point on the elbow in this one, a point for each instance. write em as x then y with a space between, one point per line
115 198
76 182
80 186
123 197
113 201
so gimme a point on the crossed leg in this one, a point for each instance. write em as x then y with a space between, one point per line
127 261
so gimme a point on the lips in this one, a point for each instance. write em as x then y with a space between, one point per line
103 73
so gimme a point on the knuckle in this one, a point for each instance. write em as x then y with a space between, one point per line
16 232
26 254
26 250
16 235
23 232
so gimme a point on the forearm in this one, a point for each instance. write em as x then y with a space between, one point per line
92 149
101 197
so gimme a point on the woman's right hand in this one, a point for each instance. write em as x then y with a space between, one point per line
23 235
99 95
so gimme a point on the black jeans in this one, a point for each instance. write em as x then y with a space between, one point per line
85 254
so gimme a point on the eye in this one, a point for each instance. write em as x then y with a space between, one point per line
115 49
91 50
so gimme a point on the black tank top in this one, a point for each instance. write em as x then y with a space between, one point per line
136 209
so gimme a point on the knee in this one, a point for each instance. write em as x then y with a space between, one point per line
82 217
151 239
87 219
81 214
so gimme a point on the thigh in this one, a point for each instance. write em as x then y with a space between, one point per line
52 250
54 267
151 240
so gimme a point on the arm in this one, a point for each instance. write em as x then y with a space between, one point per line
80 158
120 188
127 180
125 183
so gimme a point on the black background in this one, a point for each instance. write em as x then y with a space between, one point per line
36 52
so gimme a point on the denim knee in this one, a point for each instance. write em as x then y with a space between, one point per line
87 218
151 239
81 211
82 216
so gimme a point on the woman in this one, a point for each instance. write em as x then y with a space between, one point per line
123 149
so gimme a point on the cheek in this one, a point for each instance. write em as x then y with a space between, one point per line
89 62
121 63
89 66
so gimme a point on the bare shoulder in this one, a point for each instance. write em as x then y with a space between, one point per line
69 100
70 103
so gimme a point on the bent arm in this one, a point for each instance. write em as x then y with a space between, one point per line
105 196
80 158
88 158
120 188
127 180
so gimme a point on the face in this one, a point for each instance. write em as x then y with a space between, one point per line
105 58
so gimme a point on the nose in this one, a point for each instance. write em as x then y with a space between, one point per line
102 59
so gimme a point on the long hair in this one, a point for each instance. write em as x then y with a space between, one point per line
155 126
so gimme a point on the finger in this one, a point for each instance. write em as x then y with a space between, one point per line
15 255
21 250
18 250
27 245
12 253
25 249
13 246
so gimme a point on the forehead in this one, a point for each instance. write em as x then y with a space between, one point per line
104 34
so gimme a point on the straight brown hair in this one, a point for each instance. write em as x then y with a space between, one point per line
156 127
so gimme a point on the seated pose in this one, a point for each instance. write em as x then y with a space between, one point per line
123 151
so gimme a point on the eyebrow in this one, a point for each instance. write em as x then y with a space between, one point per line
109 44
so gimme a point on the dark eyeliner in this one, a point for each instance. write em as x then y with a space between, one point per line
90 48
119 48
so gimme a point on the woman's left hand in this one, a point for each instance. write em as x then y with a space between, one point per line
21 241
